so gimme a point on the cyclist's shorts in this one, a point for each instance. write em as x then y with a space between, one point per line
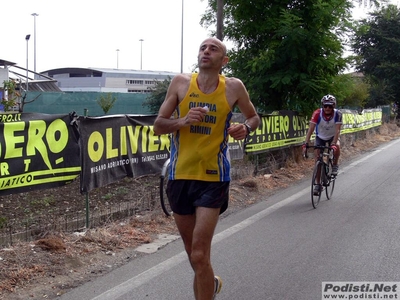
185 195
321 142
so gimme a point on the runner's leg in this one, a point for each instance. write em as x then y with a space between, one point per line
197 232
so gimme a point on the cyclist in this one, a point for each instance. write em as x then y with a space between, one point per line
326 122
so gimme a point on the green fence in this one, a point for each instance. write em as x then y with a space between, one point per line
386 113
66 102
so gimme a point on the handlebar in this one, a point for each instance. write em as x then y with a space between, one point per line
165 167
320 148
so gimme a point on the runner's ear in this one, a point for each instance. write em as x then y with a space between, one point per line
225 61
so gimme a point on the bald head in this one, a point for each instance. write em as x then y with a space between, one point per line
216 42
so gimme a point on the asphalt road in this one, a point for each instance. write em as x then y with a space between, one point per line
282 248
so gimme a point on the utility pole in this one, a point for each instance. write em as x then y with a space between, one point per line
141 52
34 41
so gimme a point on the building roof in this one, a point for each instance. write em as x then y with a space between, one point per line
40 83
4 63
43 86
100 71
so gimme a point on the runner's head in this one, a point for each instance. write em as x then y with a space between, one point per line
212 54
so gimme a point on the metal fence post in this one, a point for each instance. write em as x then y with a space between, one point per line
85 113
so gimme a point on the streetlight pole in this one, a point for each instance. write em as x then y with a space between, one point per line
27 40
141 52
34 41
117 57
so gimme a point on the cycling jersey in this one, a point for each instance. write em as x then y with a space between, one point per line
325 126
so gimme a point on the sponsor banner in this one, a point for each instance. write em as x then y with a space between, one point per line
42 151
278 130
360 290
283 129
118 146
114 147
353 121
37 151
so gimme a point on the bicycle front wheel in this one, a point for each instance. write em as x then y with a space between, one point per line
315 185
163 188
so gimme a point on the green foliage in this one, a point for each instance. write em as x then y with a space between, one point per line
10 86
44 202
358 96
107 196
106 102
157 95
350 91
377 46
287 53
380 93
3 222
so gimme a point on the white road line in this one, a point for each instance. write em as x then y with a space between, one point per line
146 276
363 159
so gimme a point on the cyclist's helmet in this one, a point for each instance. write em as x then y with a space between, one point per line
328 100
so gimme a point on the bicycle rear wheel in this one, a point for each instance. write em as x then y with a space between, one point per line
314 183
330 183
163 188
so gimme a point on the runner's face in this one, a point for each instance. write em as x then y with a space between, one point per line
212 54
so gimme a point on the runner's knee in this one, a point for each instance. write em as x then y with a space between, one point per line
199 258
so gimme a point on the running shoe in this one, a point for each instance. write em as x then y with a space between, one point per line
217 285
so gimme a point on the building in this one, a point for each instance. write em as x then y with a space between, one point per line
16 82
106 80
26 78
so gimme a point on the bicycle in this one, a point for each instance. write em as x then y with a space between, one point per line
322 168
163 187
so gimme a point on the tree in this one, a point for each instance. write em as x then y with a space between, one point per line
11 95
377 45
371 3
286 52
106 102
351 91
157 95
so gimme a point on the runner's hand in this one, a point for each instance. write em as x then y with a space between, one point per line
238 131
195 115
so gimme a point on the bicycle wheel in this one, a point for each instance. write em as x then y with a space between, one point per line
315 198
163 187
330 182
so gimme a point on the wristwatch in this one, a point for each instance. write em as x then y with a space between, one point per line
248 127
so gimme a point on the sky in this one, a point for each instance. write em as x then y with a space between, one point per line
362 9
87 34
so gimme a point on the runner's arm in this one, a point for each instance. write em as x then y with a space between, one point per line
176 91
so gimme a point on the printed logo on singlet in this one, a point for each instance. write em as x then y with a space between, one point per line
204 127
211 172
194 95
